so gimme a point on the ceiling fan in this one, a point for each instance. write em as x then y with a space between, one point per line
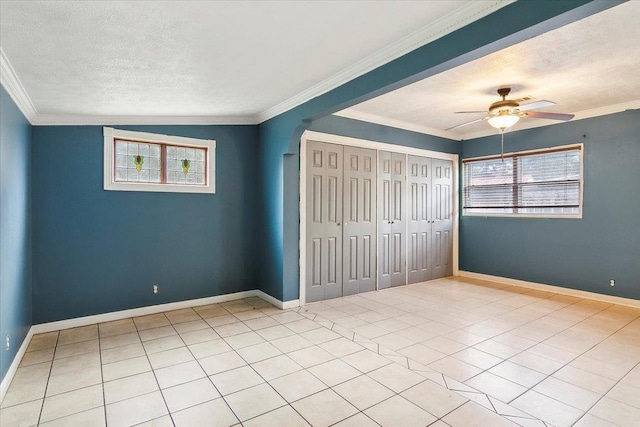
506 113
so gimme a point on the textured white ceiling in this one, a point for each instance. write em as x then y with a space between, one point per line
587 68
234 59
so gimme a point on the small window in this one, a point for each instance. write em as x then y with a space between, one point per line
545 183
139 161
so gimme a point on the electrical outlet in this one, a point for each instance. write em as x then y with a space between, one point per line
155 289
612 282
8 346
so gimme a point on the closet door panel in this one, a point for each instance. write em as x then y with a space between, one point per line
419 251
384 219
442 214
359 228
324 263
398 220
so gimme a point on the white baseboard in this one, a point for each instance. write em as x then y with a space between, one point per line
141 311
281 305
550 288
125 314
6 381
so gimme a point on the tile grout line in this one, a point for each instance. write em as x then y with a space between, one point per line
152 369
487 339
605 394
378 346
267 382
540 342
575 358
200 365
48 377
232 350
104 397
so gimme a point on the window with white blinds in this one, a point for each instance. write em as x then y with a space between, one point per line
534 183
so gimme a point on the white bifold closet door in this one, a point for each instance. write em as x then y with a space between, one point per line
324 221
374 216
442 218
430 219
391 219
359 221
341 221
420 236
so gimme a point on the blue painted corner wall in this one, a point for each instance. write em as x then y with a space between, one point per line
15 229
573 253
69 249
280 135
97 251
343 126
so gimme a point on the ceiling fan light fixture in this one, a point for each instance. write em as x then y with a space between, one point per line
503 120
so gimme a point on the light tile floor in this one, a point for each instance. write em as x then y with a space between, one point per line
441 353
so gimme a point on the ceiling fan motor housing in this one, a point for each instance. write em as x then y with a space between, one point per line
504 104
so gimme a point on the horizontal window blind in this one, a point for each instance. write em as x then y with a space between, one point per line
532 183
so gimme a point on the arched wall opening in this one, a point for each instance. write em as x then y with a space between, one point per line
280 136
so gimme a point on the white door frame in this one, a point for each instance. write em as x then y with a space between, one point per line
378 146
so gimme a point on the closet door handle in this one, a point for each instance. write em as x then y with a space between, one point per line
338 224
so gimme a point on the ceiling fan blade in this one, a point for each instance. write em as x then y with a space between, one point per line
552 116
468 123
466 112
537 104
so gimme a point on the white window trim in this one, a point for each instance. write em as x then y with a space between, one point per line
539 216
110 184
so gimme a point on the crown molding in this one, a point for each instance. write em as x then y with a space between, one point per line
10 81
71 120
580 115
372 118
489 131
609 109
445 25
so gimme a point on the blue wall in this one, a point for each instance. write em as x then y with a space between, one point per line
342 126
279 136
15 229
574 253
97 251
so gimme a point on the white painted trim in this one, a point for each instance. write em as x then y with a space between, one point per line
276 302
125 314
532 151
374 145
609 109
449 23
303 219
580 115
108 179
10 81
456 215
554 289
6 381
399 124
141 311
378 146
68 120
489 131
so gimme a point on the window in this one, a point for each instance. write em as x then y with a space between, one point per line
140 161
534 183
